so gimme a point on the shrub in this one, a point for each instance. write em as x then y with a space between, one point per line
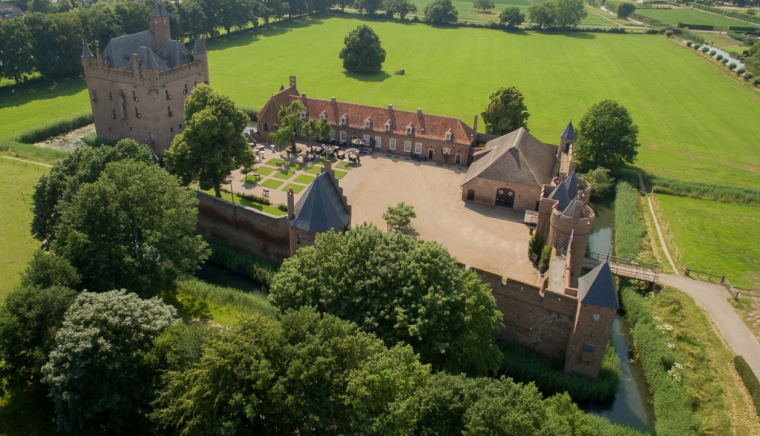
748 76
258 270
629 227
750 380
283 207
255 198
713 53
732 66
546 257
741 71
536 244
688 43
696 46
669 33
55 128
705 49
756 81
719 57
525 365
600 180
724 61
92 140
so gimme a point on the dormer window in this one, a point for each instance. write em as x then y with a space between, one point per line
323 116
387 126
303 115
367 123
343 120
448 135
409 129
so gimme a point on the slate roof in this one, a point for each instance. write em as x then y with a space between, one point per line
86 53
560 194
199 48
118 52
160 10
569 132
598 288
571 184
516 157
174 54
321 207
424 125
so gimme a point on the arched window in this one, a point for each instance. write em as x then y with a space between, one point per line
266 127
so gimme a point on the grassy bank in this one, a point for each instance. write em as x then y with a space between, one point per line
705 191
630 228
54 128
10 147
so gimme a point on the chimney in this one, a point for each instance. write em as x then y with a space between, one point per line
390 108
419 112
135 65
293 81
291 205
333 100
303 97
475 123
98 57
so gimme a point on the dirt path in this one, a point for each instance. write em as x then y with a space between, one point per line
27 161
713 299
657 226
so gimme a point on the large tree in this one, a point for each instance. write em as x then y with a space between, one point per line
441 12
625 9
402 290
84 165
212 144
305 374
56 43
29 320
542 14
607 137
512 16
99 24
15 59
483 4
368 6
134 228
362 52
99 381
400 7
569 13
292 121
506 111
134 16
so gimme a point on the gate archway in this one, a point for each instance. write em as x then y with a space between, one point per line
505 197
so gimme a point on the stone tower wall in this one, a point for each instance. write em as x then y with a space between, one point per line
593 325
563 226
161 29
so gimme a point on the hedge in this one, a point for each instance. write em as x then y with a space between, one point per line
727 13
629 227
55 128
30 151
750 380
672 403
704 191
258 270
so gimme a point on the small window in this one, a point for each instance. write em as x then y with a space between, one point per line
95 96
134 96
168 96
343 121
110 96
332 135
137 113
407 146
169 109
446 150
409 129
303 115
367 124
388 126
417 148
185 90
392 144
378 141
323 116
342 136
266 127
113 113
448 136
171 129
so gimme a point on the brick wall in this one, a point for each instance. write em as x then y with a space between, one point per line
526 197
258 233
592 330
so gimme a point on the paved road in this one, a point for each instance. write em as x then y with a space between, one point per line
714 300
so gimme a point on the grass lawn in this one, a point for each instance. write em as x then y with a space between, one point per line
274 162
264 171
304 178
692 16
716 237
296 188
248 203
345 165
340 174
16 243
272 184
720 398
725 42
295 166
284 175
251 180
314 170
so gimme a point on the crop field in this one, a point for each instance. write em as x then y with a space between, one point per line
692 16
716 237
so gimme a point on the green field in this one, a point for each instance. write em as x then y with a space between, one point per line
715 237
692 16
16 243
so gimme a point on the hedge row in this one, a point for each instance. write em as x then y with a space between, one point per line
728 13
55 128
525 365
30 151
693 36
258 270
648 20
672 403
750 380
704 191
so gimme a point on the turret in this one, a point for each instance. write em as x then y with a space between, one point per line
87 59
159 25
575 219
566 139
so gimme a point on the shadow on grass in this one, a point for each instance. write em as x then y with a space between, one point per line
250 35
10 97
376 77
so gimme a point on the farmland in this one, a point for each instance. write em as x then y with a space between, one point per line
692 16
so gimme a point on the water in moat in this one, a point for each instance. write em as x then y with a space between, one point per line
632 403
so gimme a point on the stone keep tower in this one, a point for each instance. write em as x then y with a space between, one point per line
139 83
322 208
569 230
597 307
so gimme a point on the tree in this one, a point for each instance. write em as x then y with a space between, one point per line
569 13
212 144
133 228
483 4
512 17
600 180
98 380
607 137
292 121
506 111
99 24
56 43
14 52
542 14
46 270
400 7
65 6
625 9
133 16
344 3
307 373
400 216
441 12
368 6
42 6
29 319
83 165
402 290
363 53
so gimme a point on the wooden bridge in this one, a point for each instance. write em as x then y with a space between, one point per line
630 268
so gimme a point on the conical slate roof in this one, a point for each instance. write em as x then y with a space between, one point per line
86 53
321 207
282 87
571 207
199 48
571 184
598 288
560 194
568 133
160 10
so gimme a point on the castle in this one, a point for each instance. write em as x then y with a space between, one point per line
139 84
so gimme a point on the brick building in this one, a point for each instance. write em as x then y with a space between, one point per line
139 84
389 130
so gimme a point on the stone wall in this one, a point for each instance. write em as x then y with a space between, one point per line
540 321
258 233
526 197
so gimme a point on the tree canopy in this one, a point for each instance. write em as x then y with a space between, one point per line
542 14
506 111
99 382
483 4
292 121
402 290
399 217
441 12
569 13
362 52
607 137
133 228
368 6
400 7
625 9
512 16
212 144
